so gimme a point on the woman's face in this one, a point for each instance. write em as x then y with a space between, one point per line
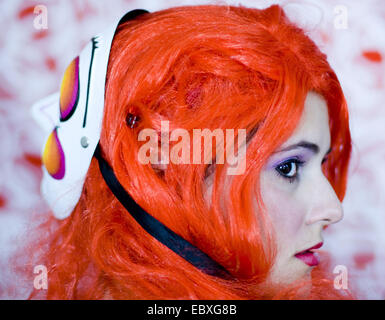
299 199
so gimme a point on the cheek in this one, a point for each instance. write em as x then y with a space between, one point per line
284 209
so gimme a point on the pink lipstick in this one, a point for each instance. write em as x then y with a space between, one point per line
309 257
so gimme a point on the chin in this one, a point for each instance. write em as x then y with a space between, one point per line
289 273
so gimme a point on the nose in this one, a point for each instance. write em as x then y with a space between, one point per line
326 206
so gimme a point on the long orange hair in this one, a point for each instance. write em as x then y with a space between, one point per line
198 67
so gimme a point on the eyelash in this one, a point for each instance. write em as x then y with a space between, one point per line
296 162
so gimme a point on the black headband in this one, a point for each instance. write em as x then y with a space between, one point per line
158 230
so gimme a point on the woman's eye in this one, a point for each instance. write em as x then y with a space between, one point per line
289 169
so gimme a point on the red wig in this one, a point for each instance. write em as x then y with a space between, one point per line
197 67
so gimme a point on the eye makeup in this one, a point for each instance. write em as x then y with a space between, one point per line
287 166
292 165
299 156
287 162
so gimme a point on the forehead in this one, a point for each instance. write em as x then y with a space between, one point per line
314 123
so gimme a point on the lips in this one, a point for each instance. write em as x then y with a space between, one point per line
309 257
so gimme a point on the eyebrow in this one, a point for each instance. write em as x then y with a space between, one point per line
305 144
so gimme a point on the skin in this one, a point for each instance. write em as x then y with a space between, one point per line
300 208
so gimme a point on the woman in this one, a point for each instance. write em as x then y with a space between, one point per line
190 230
